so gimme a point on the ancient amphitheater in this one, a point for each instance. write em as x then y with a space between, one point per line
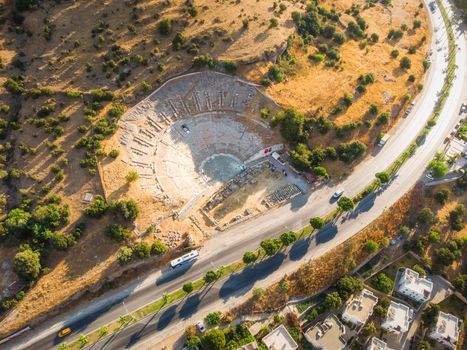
195 132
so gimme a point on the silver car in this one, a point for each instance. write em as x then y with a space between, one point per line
338 193
200 327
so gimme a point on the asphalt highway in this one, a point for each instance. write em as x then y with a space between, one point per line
226 247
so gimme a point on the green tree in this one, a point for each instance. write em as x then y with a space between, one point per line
123 321
24 5
438 168
211 276
424 345
165 26
348 285
442 195
158 248
214 339
383 119
371 246
287 238
213 318
320 171
82 340
193 341
294 125
276 74
348 152
405 63
317 222
63 346
460 282
369 329
17 220
430 315
434 236
345 203
380 311
132 176
285 285
249 257
103 331
188 287
383 177
258 292
51 215
333 301
127 210
179 41
420 270
142 250
382 282
125 255
117 232
456 217
271 246
444 256
426 216
27 264
96 208
300 157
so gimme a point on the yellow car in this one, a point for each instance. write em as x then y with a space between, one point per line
64 332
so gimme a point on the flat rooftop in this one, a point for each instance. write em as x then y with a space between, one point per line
447 326
327 335
411 280
398 317
361 306
377 344
280 339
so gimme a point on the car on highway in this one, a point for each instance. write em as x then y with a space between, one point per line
338 193
464 108
200 327
429 176
64 332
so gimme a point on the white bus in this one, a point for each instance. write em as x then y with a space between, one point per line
184 259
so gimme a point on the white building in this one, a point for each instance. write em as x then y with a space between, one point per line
446 331
328 335
413 286
360 308
280 339
398 318
377 344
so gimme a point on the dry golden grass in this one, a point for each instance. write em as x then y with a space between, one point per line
313 87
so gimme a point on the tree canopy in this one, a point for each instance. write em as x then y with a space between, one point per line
382 282
271 246
27 264
317 222
214 339
348 285
345 203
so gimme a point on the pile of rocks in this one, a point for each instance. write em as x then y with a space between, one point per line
245 177
282 194
172 238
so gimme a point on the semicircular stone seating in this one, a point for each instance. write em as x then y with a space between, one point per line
169 135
